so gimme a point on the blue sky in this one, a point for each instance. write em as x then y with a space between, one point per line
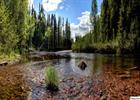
77 11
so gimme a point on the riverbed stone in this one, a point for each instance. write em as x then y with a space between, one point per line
82 65
104 97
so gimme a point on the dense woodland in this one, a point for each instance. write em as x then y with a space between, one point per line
22 28
115 30
49 33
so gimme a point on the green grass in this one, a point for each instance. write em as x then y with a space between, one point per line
51 78
7 57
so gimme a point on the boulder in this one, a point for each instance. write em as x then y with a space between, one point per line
82 65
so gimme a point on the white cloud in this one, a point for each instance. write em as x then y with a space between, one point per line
83 26
61 7
51 5
30 3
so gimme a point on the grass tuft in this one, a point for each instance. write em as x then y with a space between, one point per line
51 78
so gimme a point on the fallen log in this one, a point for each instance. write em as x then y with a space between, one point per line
4 63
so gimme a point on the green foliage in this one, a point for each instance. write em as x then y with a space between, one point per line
94 11
13 17
19 16
51 78
49 33
22 28
9 57
67 36
117 28
8 37
93 19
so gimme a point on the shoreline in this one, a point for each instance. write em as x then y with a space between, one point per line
106 51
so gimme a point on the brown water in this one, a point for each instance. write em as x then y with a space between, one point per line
97 65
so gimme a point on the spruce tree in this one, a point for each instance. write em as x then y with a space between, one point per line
59 32
114 17
105 18
93 19
8 38
68 35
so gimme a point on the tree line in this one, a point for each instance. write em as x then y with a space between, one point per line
22 29
50 33
13 25
115 30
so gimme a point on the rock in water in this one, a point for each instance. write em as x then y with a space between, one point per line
82 65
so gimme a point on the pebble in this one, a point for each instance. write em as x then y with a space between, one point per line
71 78
104 97
41 82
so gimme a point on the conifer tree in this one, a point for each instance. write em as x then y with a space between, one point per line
93 19
8 38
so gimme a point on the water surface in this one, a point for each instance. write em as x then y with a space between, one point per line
97 65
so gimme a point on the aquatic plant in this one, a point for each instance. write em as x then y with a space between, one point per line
51 78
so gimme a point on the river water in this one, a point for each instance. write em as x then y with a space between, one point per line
97 65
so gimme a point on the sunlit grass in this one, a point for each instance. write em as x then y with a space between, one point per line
51 78
11 56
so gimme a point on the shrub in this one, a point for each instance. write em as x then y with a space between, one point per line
51 78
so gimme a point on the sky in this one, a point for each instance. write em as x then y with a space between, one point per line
77 11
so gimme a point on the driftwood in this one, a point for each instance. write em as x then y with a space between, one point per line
3 63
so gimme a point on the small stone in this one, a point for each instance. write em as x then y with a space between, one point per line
80 81
85 94
71 78
41 82
104 97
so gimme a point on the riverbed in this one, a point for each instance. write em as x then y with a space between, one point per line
105 77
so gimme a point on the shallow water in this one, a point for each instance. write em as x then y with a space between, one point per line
96 63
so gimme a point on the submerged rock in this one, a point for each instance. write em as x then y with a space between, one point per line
82 65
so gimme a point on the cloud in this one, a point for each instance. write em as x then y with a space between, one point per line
30 3
51 5
61 7
83 26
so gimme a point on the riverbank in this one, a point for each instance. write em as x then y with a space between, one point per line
12 83
33 56
107 50
10 59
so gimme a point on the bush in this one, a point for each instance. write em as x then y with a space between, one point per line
51 78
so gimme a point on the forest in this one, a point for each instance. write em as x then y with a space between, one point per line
23 29
115 30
